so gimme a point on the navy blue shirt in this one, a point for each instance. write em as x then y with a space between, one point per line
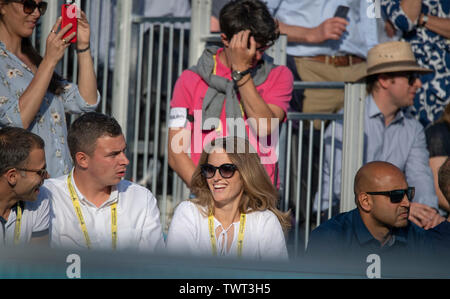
345 236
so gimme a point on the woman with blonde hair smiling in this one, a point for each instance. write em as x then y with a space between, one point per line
234 213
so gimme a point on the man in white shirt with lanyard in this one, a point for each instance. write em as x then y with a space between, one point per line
24 219
92 207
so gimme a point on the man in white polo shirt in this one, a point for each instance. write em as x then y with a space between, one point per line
23 218
92 207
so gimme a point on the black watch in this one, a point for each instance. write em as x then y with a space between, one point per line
237 75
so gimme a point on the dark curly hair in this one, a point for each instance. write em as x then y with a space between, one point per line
238 15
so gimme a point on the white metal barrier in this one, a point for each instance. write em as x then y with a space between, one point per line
303 190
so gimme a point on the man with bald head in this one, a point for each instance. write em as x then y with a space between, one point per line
379 224
383 199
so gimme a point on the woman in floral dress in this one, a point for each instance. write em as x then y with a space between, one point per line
32 95
426 25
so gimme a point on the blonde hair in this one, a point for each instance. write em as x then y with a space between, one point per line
258 195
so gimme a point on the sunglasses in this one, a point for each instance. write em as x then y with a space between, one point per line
411 76
263 48
29 6
40 172
396 196
225 170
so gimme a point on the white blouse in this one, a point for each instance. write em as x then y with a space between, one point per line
189 235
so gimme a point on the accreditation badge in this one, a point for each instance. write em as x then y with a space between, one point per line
178 117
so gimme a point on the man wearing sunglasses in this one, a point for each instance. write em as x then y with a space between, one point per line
23 217
390 133
379 224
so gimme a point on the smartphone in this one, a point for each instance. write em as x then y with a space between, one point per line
69 16
342 11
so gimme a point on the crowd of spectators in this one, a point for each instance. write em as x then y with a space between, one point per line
67 188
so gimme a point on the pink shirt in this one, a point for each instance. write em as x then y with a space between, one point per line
190 90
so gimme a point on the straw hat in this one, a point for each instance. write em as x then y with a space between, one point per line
392 57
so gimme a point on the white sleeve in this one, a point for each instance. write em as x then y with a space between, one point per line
41 217
272 245
182 236
152 237
178 117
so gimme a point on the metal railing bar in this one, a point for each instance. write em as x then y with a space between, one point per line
308 192
330 195
143 19
313 116
299 190
288 167
106 68
322 129
148 97
157 109
138 101
98 7
318 85
166 135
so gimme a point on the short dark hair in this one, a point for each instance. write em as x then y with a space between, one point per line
16 145
86 129
444 179
371 83
238 15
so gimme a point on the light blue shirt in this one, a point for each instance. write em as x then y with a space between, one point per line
360 36
401 143
50 121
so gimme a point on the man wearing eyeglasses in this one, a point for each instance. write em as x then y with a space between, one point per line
390 133
379 224
23 217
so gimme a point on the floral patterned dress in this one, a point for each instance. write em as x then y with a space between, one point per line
432 51
50 121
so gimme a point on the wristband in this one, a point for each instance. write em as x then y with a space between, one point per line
84 50
244 82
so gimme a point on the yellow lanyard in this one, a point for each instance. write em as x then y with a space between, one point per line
77 207
18 225
241 232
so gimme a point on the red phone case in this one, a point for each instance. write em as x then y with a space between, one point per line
69 15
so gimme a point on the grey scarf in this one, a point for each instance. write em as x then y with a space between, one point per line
221 88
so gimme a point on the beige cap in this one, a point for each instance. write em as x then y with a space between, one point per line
392 57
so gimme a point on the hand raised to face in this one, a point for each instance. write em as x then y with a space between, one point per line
242 49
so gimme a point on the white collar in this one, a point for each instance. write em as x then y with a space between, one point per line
113 197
